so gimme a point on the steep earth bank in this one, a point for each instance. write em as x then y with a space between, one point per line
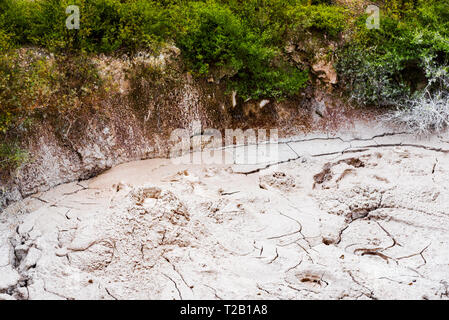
144 99
362 214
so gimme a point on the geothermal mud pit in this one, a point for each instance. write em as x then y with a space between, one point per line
345 217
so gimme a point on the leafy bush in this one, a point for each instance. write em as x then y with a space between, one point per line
427 111
19 19
267 18
328 19
404 64
12 156
216 38
5 41
386 67
372 80
213 36
106 25
20 88
273 19
34 84
241 40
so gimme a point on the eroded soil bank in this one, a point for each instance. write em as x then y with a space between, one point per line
147 98
358 215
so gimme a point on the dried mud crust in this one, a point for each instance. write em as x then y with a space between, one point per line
367 225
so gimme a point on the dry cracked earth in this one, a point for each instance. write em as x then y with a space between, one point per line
351 216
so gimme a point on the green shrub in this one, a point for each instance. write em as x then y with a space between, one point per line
386 67
105 25
371 80
19 90
240 40
268 18
325 18
19 19
216 38
34 83
12 156
213 37
5 41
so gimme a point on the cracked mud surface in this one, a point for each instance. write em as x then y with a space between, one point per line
344 217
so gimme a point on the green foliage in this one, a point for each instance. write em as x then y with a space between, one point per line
385 67
5 41
19 19
242 41
331 20
107 25
215 38
12 156
20 88
371 80
35 84
268 18
243 38
274 18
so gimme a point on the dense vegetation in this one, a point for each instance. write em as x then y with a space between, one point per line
242 37
410 51
240 41
404 64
